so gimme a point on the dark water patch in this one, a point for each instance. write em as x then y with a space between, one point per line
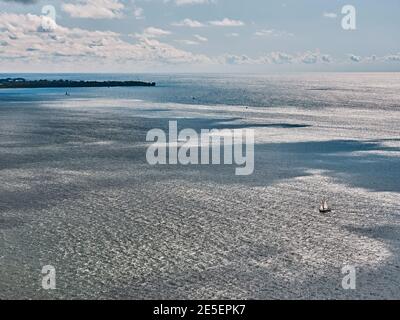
261 125
152 110
385 232
7 223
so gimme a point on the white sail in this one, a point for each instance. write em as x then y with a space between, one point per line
324 207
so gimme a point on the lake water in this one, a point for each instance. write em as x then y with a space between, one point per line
77 193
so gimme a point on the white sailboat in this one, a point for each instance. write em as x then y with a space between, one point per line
324 208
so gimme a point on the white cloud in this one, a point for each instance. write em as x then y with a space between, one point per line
393 57
326 58
280 58
277 58
28 39
227 23
94 9
35 40
310 58
189 2
152 32
138 13
200 38
216 23
188 23
330 15
237 59
22 1
273 33
355 58
188 42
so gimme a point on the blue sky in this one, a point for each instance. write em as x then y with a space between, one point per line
197 35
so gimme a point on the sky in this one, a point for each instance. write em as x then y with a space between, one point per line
199 35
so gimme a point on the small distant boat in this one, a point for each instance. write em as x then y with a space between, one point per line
324 208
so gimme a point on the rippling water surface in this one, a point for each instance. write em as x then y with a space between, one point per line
77 193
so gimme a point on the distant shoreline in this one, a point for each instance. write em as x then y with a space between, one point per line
21 83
